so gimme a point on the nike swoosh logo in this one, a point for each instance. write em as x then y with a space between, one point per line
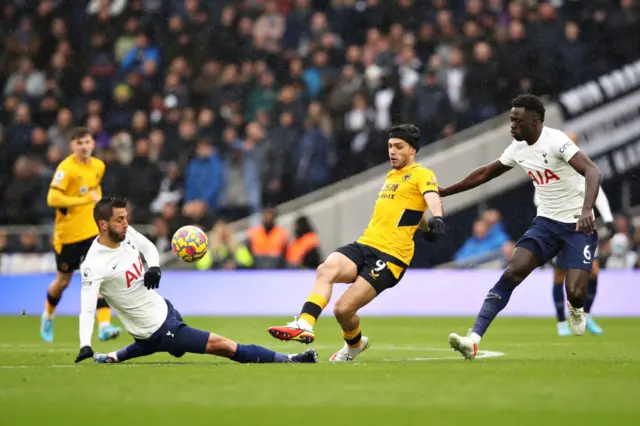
585 262
114 266
521 161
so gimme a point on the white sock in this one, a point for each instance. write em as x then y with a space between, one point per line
114 355
304 324
475 338
103 325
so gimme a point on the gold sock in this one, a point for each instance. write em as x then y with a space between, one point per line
312 308
353 338
104 315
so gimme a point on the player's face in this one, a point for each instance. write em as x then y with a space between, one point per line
83 147
117 225
518 124
400 153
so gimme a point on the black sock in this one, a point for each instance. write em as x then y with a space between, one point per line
592 289
558 300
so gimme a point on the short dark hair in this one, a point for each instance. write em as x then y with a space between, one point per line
530 103
103 209
79 133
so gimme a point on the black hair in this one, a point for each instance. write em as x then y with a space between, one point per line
103 209
303 226
408 133
411 129
530 103
79 133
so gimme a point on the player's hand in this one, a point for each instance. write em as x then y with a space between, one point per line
443 192
94 196
436 229
85 352
152 278
586 223
611 228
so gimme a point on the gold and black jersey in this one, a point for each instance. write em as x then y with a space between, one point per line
76 179
398 211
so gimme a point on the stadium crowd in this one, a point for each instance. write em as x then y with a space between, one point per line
204 109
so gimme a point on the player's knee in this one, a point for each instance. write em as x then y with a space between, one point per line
515 273
343 310
326 272
62 281
220 346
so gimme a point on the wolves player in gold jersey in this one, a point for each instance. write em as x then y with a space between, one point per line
73 192
379 259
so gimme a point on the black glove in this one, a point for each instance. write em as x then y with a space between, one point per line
611 228
152 278
85 352
436 229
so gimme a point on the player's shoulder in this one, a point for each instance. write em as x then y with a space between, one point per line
97 164
93 262
66 164
420 172
555 136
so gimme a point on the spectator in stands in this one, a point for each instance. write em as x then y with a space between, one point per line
621 256
304 250
268 242
195 68
487 241
225 252
204 177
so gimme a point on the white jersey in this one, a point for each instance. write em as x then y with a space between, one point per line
559 187
118 274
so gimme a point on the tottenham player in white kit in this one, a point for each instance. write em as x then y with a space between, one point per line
113 267
564 225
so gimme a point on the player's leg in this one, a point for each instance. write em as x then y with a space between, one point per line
134 350
340 267
54 294
558 300
106 330
250 354
592 289
358 295
524 260
576 257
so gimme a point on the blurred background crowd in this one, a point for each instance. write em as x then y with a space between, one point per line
208 110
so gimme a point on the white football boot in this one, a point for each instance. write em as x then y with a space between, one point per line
349 354
465 345
577 320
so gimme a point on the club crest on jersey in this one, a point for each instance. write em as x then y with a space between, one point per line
83 190
134 272
405 178
539 179
86 273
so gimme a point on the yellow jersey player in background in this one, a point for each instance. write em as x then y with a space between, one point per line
379 259
73 193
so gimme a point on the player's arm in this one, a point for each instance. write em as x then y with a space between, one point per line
428 186
592 176
602 204
151 256
479 176
56 197
88 300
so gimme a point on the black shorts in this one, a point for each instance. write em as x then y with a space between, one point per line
374 265
72 255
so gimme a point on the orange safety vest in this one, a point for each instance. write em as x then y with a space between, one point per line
299 248
272 244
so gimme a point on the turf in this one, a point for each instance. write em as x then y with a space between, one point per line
407 377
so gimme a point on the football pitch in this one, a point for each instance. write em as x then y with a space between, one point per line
527 376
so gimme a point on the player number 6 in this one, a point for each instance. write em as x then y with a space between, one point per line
586 252
380 265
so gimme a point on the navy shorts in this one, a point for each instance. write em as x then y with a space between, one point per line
175 337
548 238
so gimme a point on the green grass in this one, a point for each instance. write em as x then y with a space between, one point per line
542 378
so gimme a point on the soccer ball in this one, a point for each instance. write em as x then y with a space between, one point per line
189 243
